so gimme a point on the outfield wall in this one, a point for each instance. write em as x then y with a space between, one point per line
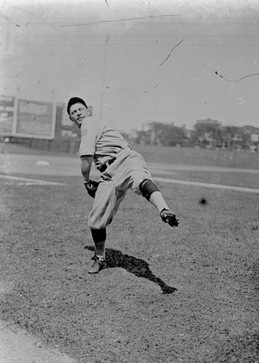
41 120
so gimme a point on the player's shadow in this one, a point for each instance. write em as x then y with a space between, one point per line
136 266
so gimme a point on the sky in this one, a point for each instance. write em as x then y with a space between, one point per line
136 61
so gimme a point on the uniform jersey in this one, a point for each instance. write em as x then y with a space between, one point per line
100 141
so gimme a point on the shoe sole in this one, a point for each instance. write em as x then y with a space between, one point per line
171 220
92 272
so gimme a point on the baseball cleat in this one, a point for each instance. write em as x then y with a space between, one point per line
169 217
97 265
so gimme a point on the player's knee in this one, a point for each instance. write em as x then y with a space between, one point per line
96 222
147 187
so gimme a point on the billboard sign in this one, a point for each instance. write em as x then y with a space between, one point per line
35 119
7 115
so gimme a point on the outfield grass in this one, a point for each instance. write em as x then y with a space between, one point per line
122 315
169 155
197 156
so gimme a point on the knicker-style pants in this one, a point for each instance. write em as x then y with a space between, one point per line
126 172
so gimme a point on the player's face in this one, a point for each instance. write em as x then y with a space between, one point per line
78 112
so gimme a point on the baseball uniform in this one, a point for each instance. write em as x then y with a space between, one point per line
121 168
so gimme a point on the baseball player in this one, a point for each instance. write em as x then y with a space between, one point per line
121 168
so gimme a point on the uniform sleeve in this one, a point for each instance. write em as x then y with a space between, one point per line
90 131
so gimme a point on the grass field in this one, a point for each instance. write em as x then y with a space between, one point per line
123 314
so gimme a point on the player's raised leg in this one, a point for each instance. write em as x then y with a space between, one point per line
151 192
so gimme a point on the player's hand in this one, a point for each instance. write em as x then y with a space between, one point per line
91 187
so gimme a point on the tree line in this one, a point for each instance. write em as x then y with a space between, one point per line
206 134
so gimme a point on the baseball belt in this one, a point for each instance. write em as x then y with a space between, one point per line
109 162
105 166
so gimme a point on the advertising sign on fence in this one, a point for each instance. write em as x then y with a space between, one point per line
7 115
35 119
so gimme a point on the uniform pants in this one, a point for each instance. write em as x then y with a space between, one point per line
127 172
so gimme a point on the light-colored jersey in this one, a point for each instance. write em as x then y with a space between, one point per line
100 141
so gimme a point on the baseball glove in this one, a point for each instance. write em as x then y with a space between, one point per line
91 187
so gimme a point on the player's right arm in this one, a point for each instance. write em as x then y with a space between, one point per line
89 135
87 148
90 185
86 163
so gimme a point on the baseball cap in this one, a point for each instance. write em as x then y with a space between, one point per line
74 100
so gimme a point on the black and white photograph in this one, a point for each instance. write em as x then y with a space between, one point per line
129 181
